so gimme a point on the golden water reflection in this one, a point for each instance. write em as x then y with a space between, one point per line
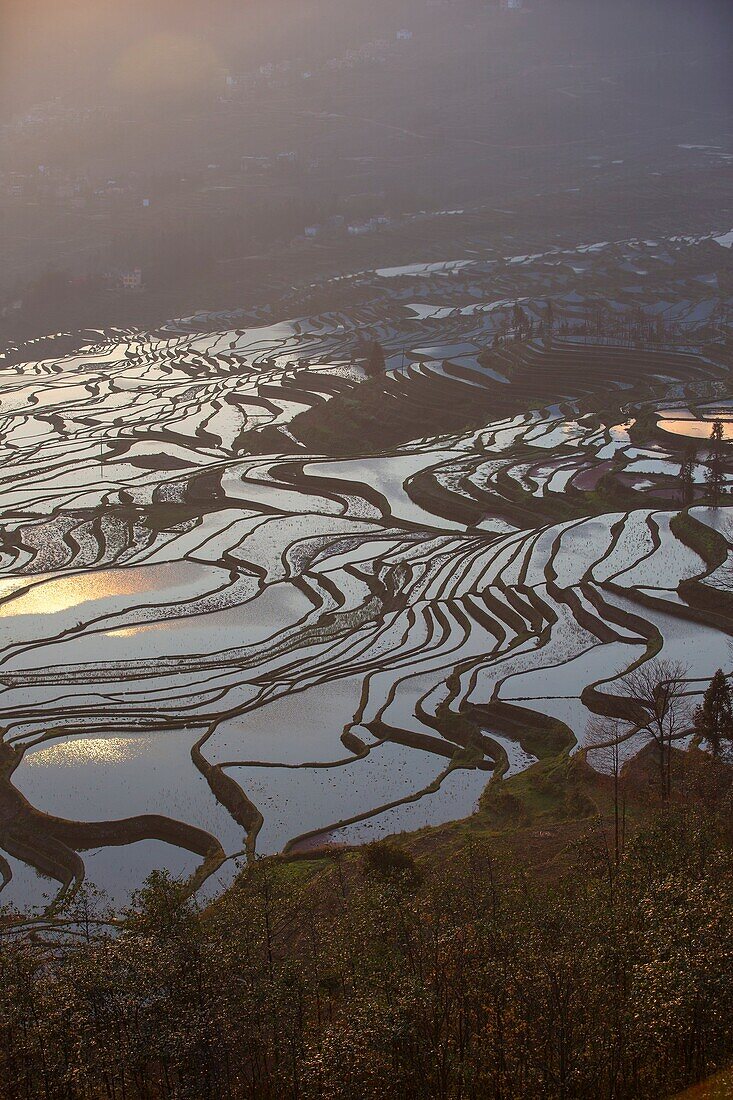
60 593
88 750
695 429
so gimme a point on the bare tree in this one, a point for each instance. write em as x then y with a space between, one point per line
660 707
604 736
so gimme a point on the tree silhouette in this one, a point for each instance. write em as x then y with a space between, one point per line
687 474
550 316
604 737
520 321
375 364
715 472
656 704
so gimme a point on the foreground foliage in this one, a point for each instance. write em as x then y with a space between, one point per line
462 976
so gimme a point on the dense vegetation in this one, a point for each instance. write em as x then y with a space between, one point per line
377 418
534 962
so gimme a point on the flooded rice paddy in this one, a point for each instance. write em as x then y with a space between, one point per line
209 654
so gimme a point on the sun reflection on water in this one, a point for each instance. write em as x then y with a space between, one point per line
695 429
90 750
61 593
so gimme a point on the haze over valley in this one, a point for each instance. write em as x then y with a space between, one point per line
365 547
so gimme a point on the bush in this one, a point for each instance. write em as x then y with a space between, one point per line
387 860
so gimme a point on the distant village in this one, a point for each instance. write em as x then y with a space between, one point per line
120 216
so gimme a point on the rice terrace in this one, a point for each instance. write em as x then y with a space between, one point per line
234 623
366 550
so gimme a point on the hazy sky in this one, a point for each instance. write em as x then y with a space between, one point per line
69 47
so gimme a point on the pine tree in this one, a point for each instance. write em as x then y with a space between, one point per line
687 474
714 718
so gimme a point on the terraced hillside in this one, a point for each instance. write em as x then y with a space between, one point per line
232 624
